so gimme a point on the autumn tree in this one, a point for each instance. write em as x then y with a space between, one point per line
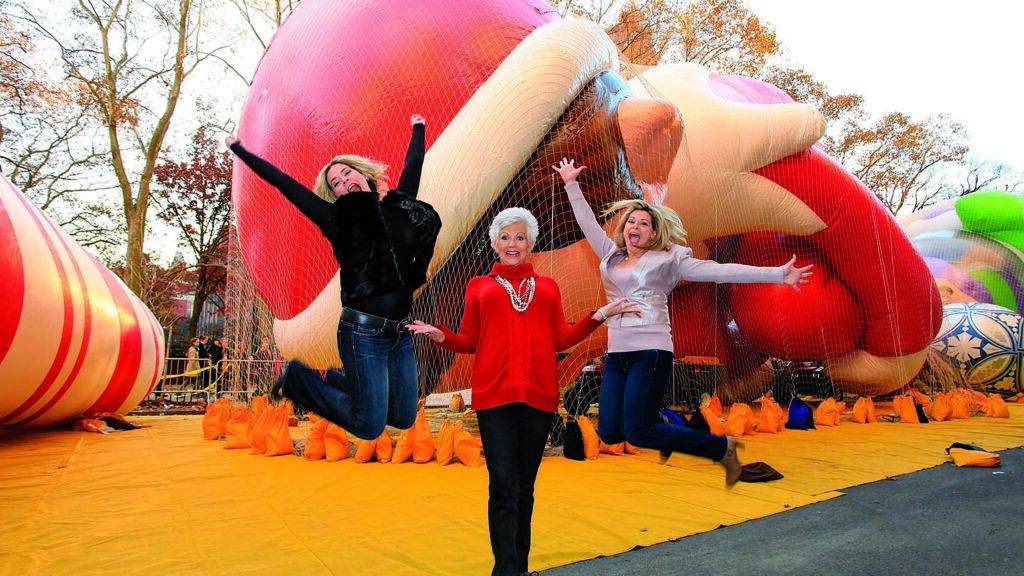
194 196
161 287
46 148
131 59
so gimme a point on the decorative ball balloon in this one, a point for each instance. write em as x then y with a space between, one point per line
987 341
73 339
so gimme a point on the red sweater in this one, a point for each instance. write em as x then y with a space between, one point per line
515 351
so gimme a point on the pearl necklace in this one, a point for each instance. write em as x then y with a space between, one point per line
519 303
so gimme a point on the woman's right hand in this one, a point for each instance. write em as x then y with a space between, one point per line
568 170
230 139
618 306
421 327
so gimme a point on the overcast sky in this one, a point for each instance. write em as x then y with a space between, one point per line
918 57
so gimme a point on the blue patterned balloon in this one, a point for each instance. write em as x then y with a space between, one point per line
986 339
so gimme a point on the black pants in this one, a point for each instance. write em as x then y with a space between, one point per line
513 438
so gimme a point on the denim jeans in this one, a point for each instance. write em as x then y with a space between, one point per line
379 386
513 437
632 389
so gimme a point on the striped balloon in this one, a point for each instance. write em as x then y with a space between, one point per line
74 340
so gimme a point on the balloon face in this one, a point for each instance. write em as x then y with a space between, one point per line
73 339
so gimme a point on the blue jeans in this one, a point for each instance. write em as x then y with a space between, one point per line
513 437
379 386
632 389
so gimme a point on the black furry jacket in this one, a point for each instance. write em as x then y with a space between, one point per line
383 246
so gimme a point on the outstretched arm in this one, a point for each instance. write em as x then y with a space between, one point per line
312 206
409 181
599 241
697 270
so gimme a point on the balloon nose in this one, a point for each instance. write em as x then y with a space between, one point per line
652 130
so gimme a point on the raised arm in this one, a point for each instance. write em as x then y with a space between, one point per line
409 181
312 206
599 241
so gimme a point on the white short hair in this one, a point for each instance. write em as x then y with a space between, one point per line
510 216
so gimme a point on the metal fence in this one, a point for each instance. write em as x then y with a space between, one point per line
239 379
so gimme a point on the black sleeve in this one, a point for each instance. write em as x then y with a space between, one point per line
409 182
318 210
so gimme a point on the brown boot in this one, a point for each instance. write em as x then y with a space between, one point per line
731 462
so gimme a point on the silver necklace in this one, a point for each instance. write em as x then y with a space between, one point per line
520 303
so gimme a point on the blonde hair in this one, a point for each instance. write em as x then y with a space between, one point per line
372 170
667 227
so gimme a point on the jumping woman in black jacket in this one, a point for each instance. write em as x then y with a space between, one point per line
383 241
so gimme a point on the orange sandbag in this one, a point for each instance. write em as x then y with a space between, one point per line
715 405
960 405
591 443
335 442
457 403
977 458
942 409
975 400
260 404
903 405
995 407
422 440
922 400
741 420
237 430
863 411
385 448
827 413
468 448
279 441
258 432
714 422
771 419
445 443
315 447
216 418
403 447
630 449
614 449
313 417
365 449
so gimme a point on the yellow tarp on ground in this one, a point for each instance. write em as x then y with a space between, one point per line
163 501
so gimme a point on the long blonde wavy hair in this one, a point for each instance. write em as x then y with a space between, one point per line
668 228
371 169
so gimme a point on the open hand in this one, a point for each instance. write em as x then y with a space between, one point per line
421 327
568 170
417 119
794 276
619 306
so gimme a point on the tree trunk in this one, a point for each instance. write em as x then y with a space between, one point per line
136 238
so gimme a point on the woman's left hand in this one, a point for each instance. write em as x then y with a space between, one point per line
616 307
795 276
421 327
417 119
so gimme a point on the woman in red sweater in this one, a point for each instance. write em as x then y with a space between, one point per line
513 322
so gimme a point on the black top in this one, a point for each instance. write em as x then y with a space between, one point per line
383 246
